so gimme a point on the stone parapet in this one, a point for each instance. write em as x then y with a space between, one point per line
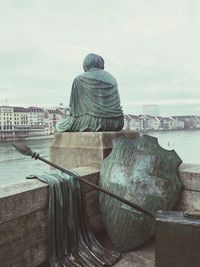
24 219
24 222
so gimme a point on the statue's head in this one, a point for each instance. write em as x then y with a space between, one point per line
93 61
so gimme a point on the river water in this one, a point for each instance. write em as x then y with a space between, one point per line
14 166
185 143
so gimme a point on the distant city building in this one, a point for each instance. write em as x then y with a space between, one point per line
13 122
52 116
133 122
20 122
36 115
152 110
157 123
6 121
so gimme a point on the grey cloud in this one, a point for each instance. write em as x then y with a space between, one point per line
151 47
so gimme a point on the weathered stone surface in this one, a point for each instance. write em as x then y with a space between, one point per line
141 257
147 251
14 202
23 226
24 253
24 241
130 260
21 186
188 200
190 176
177 240
71 150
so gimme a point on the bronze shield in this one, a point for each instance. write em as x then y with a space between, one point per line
144 173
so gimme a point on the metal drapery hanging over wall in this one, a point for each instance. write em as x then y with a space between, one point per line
71 243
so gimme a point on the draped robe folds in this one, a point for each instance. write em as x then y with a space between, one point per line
94 104
71 243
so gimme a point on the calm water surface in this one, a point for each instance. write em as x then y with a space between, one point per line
14 166
185 143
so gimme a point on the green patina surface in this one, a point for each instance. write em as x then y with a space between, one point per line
71 243
94 102
145 174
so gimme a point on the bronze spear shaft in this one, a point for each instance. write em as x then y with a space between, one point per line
25 150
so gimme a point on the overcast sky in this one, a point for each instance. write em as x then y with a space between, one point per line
150 46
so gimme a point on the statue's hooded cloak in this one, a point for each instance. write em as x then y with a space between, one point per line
95 92
94 101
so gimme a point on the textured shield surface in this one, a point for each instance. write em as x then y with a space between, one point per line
144 173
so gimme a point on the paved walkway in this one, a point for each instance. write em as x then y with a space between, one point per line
143 256
140 257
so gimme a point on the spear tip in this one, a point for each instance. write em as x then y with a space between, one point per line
23 149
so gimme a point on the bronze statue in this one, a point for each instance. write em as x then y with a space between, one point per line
94 102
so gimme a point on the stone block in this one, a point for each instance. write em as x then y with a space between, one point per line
190 176
72 150
34 223
24 241
22 198
188 200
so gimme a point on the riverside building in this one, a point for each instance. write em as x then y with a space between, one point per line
20 122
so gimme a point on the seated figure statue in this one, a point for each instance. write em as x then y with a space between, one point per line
94 101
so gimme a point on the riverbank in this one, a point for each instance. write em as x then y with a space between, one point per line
28 138
172 130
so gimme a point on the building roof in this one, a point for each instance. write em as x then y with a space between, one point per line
20 109
35 109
